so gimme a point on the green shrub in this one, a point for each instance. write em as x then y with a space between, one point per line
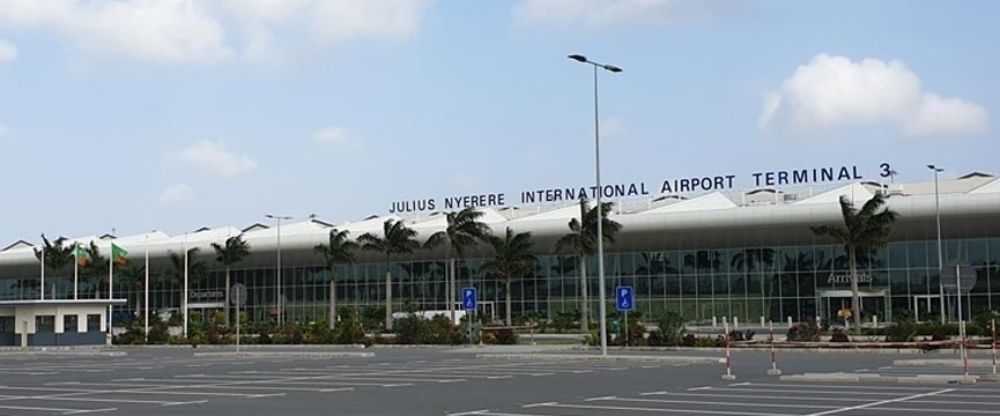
839 336
804 332
291 333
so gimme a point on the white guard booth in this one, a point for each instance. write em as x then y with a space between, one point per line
55 322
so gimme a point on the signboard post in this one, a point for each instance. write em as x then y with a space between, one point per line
625 302
238 297
469 304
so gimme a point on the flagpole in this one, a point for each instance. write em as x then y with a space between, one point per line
42 258
184 312
145 318
76 268
111 277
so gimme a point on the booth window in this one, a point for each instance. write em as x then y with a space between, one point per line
94 323
69 323
45 324
6 324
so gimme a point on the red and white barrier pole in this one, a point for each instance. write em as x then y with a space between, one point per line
729 360
774 371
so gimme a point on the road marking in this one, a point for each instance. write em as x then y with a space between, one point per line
828 386
65 411
651 393
873 404
651 409
713 403
699 388
473 412
539 404
591 399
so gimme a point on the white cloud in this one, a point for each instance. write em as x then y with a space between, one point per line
164 31
212 158
831 91
337 136
337 21
201 31
592 14
177 193
8 52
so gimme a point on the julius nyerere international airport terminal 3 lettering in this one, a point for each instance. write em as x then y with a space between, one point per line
696 246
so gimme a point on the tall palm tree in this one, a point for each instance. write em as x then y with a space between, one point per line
339 250
864 232
133 278
513 260
396 238
582 241
95 265
234 251
196 270
57 254
463 231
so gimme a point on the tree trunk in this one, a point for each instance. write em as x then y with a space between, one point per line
508 302
388 298
584 322
333 300
226 306
855 296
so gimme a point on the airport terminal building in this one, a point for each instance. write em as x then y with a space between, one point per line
749 255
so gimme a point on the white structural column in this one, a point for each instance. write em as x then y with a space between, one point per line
145 301
184 295
41 290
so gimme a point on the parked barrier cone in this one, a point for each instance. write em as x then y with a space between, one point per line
773 371
729 360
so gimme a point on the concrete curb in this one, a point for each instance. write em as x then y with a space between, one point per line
61 353
941 363
242 346
283 354
898 351
855 378
612 358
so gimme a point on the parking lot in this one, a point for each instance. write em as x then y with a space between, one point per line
444 381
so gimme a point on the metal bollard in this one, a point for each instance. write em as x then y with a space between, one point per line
773 371
729 361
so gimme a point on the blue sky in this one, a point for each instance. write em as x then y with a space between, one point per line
173 114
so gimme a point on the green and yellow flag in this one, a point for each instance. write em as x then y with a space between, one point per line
81 256
118 255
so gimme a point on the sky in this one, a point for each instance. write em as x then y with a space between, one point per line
135 115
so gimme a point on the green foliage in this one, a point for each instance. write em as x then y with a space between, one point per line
839 336
671 326
438 330
804 332
158 332
566 321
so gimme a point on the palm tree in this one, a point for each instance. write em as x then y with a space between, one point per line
234 251
396 238
339 250
464 230
865 231
133 278
582 241
513 259
56 255
196 270
96 265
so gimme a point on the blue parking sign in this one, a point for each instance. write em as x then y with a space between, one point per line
469 298
626 300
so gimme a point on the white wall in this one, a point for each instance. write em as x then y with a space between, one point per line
27 313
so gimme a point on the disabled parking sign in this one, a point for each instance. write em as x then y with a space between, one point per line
469 298
626 300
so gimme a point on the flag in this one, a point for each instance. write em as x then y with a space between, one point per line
81 256
118 255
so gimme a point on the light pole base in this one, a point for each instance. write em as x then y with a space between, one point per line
774 372
728 377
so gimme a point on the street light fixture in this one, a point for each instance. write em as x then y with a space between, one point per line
600 216
278 300
937 214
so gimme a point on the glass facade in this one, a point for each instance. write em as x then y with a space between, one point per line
775 283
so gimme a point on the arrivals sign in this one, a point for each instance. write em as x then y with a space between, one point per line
685 184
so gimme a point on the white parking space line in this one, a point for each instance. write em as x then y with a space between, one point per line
660 410
65 411
874 404
141 390
832 386
717 403
211 386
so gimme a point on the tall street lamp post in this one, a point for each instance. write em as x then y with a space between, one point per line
597 179
937 215
279 301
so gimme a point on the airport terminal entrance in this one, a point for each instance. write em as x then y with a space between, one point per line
874 303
